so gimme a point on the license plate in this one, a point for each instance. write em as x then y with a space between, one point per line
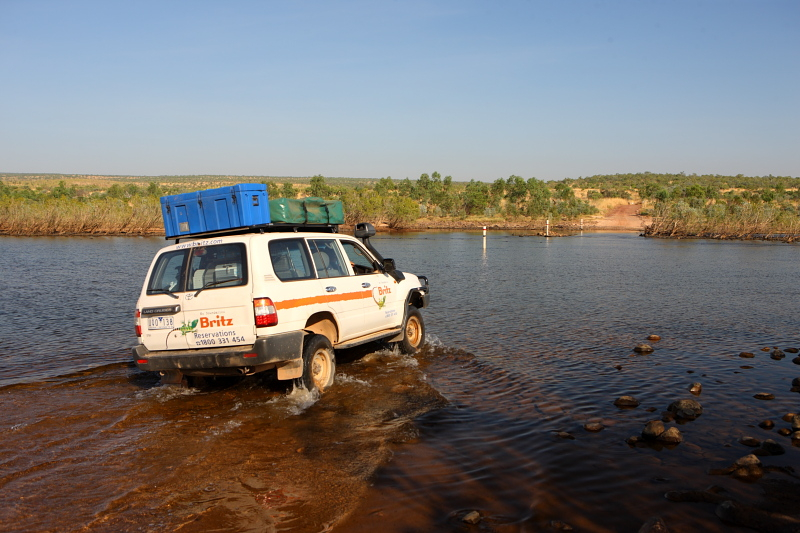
161 322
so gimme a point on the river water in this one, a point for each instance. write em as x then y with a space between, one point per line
529 339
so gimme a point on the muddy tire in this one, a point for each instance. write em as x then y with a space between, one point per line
319 364
414 329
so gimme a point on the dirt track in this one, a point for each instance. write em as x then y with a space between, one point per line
621 217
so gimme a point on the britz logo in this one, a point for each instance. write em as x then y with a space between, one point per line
379 295
219 322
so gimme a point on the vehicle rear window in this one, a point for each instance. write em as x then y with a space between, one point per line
168 273
202 267
221 265
290 259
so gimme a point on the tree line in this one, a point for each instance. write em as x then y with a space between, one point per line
679 203
401 202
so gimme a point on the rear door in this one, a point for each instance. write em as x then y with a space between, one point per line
297 295
161 302
218 304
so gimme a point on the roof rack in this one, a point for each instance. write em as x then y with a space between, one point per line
273 227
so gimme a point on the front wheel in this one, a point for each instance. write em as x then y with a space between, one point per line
414 330
319 365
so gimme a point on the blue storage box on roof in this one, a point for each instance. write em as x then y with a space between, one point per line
238 206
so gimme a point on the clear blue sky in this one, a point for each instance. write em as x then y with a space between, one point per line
471 89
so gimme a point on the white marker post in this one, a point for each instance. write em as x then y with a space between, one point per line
484 238
547 228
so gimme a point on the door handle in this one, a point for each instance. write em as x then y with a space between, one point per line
365 285
330 289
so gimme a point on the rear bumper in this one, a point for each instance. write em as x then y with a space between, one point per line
266 350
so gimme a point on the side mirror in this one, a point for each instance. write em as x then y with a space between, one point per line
364 230
389 268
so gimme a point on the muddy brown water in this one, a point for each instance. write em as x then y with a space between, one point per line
527 337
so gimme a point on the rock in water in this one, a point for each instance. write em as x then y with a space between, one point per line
472 517
747 355
643 348
747 460
686 409
754 518
671 436
748 468
653 338
696 388
770 447
593 427
626 401
764 396
750 441
654 525
653 429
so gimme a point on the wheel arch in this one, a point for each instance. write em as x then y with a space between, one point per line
323 323
416 299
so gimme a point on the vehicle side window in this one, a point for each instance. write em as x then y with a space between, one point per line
221 265
328 259
360 259
168 273
290 259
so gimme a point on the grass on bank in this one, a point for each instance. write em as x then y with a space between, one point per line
65 216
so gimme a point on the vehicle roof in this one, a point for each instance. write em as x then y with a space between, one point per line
207 240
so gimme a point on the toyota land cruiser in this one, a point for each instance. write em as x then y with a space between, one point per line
275 297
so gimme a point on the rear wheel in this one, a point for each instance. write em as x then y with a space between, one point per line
172 377
414 330
319 365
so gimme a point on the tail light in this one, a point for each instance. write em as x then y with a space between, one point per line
265 312
138 323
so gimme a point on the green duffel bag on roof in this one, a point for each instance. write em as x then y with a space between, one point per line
335 212
316 211
287 210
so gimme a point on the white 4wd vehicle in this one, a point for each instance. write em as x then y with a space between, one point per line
246 302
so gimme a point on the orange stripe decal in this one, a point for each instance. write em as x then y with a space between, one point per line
325 298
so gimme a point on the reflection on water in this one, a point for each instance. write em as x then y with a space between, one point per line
529 338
